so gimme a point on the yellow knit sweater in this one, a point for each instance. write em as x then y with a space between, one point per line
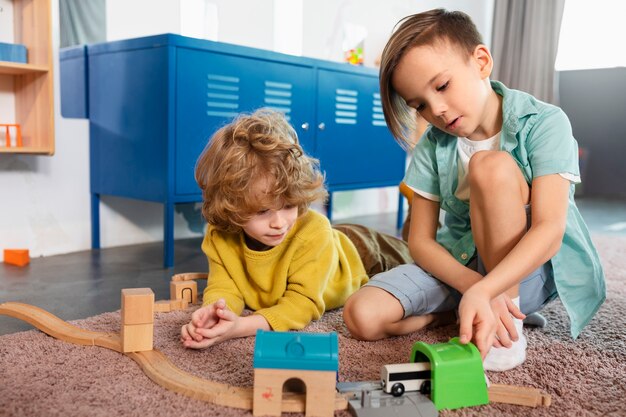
313 270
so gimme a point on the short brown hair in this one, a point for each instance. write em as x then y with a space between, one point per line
425 28
261 145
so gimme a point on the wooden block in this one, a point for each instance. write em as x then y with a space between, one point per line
510 394
162 306
165 306
137 306
187 290
19 257
137 337
179 304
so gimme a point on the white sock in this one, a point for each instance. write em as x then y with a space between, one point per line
502 359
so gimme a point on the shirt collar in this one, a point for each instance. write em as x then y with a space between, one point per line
515 107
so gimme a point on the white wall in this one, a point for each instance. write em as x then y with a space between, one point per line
44 204
136 18
323 24
324 19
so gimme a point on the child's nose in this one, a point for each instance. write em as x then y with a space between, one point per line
439 108
278 220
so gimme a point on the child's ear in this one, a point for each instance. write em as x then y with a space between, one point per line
483 59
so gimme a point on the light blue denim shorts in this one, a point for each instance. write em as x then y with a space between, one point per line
420 293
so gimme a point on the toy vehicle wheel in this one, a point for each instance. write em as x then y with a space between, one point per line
397 389
425 388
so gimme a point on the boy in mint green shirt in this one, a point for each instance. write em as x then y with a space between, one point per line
502 165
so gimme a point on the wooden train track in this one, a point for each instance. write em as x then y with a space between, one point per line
154 364
163 372
59 329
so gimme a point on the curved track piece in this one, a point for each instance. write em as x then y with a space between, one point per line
59 329
188 276
155 365
160 370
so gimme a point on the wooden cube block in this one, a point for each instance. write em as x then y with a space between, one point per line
162 306
137 306
179 304
19 257
187 290
137 337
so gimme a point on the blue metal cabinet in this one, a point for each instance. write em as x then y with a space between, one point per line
215 87
130 118
154 102
353 143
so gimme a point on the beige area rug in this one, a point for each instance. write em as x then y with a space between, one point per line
42 376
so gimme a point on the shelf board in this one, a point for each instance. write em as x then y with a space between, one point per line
25 149
14 68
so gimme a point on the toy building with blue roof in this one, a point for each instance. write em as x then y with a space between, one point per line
282 357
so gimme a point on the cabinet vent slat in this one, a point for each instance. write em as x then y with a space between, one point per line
378 117
341 106
346 105
223 95
277 96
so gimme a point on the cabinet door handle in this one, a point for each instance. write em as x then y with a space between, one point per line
321 126
305 126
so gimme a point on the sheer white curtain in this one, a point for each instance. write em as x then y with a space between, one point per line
525 41
82 21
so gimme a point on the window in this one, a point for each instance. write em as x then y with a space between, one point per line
82 22
592 35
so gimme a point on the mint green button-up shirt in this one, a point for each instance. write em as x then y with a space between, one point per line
539 138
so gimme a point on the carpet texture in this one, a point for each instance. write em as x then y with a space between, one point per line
42 376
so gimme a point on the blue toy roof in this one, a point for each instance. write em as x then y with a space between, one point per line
296 350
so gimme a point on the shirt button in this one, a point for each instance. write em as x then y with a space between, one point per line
464 256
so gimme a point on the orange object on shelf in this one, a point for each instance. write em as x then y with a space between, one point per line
19 257
18 134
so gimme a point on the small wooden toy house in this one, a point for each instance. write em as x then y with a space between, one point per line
311 358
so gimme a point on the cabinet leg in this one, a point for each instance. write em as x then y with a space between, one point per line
168 235
95 221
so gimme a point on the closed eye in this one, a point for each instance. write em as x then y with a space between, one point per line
443 86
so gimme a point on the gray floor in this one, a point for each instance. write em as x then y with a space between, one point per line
83 284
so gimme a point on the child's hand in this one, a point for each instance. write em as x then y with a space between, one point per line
482 320
503 308
477 321
202 318
222 329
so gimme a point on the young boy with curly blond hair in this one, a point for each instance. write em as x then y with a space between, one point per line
266 250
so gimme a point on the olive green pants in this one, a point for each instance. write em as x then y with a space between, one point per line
378 251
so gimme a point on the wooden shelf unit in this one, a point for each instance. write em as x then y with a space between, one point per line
33 82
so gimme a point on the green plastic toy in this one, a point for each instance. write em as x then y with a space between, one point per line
457 375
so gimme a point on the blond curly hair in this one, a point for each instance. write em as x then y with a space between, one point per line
254 147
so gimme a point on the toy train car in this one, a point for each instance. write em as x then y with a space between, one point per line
398 378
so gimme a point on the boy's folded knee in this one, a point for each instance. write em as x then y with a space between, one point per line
361 320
